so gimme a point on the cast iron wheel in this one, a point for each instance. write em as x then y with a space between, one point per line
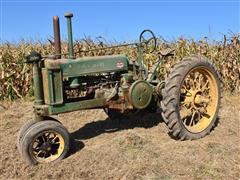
191 98
27 125
45 141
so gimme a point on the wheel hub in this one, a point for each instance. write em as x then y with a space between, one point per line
199 99
196 99
46 146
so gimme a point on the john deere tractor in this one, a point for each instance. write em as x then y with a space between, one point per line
188 98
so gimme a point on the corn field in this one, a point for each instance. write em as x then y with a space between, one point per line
16 77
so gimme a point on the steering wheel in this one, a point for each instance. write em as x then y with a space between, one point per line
148 38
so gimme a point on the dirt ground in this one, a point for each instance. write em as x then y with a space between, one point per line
137 147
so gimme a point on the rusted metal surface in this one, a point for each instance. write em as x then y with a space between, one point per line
117 104
57 39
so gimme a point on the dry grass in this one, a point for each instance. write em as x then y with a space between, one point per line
135 148
15 75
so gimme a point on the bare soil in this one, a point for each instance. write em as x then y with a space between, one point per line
137 147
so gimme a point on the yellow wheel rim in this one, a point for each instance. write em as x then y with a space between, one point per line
198 99
47 146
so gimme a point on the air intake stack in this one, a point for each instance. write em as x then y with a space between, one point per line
70 39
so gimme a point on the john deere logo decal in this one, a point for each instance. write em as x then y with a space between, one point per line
120 64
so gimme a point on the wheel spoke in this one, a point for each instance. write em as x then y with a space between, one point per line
193 84
193 115
39 152
184 113
205 85
184 121
188 92
206 115
47 134
53 140
196 77
200 78
43 139
202 110
185 85
183 103
36 148
192 78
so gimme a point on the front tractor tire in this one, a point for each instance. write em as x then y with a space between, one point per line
191 98
26 126
44 141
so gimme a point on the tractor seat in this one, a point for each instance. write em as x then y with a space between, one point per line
167 52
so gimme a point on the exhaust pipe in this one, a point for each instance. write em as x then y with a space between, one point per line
57 40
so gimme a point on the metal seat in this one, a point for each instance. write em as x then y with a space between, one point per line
167 52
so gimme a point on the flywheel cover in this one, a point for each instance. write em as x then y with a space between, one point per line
140 94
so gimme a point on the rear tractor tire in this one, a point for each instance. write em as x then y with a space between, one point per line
191 98
44 141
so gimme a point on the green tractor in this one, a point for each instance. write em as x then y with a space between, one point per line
188 99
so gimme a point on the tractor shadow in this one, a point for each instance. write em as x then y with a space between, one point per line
90 130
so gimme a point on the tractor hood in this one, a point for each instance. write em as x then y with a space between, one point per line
89 65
